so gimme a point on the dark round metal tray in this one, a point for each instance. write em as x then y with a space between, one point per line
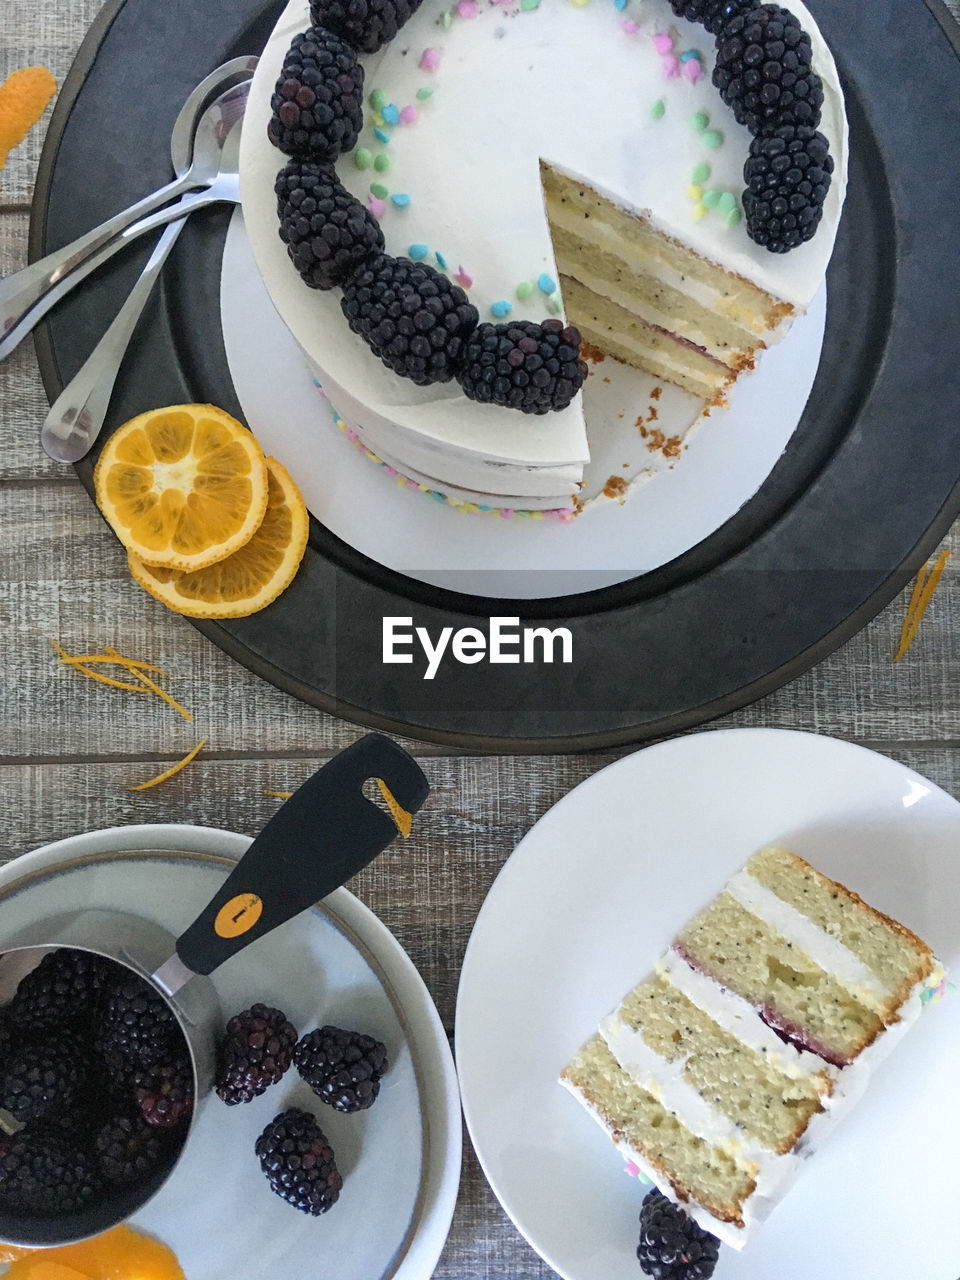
866 488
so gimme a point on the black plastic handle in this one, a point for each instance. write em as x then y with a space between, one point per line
325 833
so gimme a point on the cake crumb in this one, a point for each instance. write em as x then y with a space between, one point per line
616 487
656 439
589 352
656 393
671 448
606 379
652 416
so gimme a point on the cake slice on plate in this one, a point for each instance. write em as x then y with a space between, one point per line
718 1074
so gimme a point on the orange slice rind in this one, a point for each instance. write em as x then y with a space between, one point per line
253 576
182 487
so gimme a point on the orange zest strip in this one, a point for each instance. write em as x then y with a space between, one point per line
23 99
169 773
279 795
921 596
150 684
96 675
106 660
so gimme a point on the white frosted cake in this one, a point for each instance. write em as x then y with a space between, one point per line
720 1074
554 158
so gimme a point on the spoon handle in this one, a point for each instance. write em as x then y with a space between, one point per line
225 188
20 292
77 416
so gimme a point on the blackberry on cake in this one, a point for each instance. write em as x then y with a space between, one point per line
764 70
366 24
64 988
343 1068
43 1077
712 14
256 1051
43 1172
298 1162
788 175
535 368
672 1246
129 1150
412 316
136 1023
328 233
317 104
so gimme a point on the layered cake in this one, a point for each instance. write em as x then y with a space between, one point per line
574 166
724 1069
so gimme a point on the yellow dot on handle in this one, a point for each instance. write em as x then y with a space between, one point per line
238 915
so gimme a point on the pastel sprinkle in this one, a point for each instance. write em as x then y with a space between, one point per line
628 25
688 54
391 113
528 6
727 202
506 513
546 284
430 58
468 8
379 190
381 135
699 120
663 42
711 199
671 67
658 110
620 4
400 199
701 172
362 158
695 191
441 260
501 308
463 278
378 99
692 71
381 163
418 252
408 115
580 4
524 289
555 304
425 93
447 21
712 138
733 217
376 206
699 211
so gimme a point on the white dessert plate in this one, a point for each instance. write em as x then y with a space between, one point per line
719 463
335 963
582 910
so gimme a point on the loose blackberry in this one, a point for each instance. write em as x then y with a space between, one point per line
137 1024
256 1052
299 1163
164 1094
63 989
764 72
672 1246
328 233
44 1172
318 100
712 14
343 1068
413 317
129 1150
366 24
788 177
522 365
43 1077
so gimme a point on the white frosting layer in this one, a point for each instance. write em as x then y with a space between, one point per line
564 83
822 948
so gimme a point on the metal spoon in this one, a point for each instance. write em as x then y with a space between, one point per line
77 416
30 293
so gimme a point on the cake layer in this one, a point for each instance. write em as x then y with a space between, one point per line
641 1125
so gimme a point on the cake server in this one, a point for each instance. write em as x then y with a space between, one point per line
324 834
213 175
77 416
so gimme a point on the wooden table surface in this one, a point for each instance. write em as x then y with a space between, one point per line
69 748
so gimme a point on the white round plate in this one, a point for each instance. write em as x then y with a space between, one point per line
678 501
582 910
334 963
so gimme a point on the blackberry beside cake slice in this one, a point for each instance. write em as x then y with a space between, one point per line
726 1067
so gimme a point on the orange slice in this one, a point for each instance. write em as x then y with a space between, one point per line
252 577
182 487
